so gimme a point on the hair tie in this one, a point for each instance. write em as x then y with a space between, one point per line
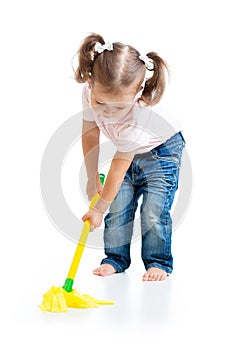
101 48
148 61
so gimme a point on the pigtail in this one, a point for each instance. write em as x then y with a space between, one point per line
155 85
86 56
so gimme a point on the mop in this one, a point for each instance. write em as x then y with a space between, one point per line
59 299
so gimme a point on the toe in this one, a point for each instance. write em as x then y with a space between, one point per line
145 277
104 270
154 274
97 271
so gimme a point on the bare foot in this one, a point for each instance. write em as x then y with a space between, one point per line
104 270
155 274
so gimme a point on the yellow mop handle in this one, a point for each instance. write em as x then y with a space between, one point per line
82 242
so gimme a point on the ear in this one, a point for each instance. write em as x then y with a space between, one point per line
90 82
139 92
141 88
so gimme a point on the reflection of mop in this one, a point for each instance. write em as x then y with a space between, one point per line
58 299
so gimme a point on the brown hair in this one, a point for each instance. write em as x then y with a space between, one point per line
120 68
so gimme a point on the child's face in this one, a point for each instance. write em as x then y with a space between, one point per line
110 104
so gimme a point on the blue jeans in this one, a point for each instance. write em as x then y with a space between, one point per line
154 176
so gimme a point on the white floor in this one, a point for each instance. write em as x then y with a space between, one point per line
192 309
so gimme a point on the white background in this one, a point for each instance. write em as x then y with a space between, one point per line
193 309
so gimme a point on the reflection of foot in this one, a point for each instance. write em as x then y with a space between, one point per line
155 274
104 270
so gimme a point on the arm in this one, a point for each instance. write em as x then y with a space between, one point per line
117 171
90 145
116 174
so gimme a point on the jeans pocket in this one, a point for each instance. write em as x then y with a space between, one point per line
171 150
166 157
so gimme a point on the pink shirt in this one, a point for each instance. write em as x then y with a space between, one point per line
141 130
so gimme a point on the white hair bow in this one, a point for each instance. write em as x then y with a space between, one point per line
100 48
148 62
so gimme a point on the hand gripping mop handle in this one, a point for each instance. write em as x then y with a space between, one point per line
81 244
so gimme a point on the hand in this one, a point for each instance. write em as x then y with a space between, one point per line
94 186
95 218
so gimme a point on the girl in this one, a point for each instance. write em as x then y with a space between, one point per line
117 99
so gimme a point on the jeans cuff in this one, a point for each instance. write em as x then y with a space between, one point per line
164 268
116 266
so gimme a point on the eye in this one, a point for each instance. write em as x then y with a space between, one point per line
99 103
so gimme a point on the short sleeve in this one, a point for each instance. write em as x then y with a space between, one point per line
88 113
